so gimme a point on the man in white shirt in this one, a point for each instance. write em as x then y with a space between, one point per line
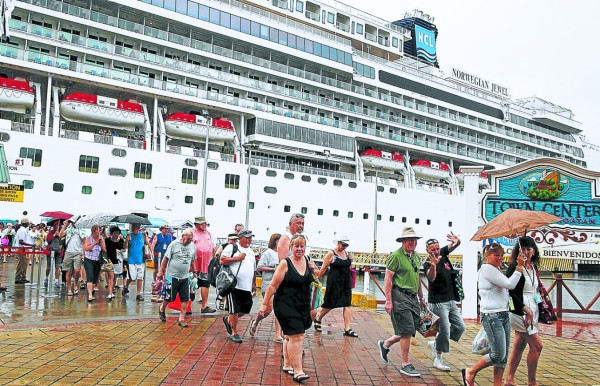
22 241
242 265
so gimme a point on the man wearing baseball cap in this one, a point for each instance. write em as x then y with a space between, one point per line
205 250
402 294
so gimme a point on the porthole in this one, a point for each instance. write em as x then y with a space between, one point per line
378 217
393 190
231 203
350 214
28 184
403 219
210 201
428 222
289 176
270 189
320 212
213 165
417 221
86 190
304 210
139 195
336 213
117 172
4 137
271 173
286 208
305 178
322 180
251 205
352 184
119 152
58 187
188 199
337 182
391 218
191 162
253 171
365 216
380 188
450 224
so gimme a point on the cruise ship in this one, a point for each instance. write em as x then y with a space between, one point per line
250 111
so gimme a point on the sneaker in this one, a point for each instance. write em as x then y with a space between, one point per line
227 325
207 310
440 364
56 284
410 371
235 338
46 283
383 352
140 298
125 291
431 345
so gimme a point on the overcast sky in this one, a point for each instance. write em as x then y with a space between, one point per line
533 47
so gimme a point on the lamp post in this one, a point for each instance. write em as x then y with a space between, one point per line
249 147
375 218
207 127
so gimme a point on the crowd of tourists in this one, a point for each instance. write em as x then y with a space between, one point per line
290 287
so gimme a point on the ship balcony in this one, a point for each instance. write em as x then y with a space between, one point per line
313 16
268 163
280 4
370 37
555 120
342 26
22 127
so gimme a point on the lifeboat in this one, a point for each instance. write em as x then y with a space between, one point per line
430 170
102 111
193 127
16 94
382 159
483 178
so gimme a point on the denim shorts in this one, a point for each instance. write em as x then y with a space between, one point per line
497 328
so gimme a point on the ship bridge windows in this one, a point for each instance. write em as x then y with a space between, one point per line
142 170
35 155
189 176
88 164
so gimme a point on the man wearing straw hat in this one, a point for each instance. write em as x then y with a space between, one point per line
402 294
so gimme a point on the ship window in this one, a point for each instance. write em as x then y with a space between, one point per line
393 190
86 189
391 218
119 152
403 219
320 212
380 188
251 205
203 12
271 173
270 189
289 176
253 171
304 210
428 222
189 176
188 199
350 214
337 182
213 165
139 195
322 180
378 217
231 203
27 184
214 16
299 6
35 155
352 185
232 181
450 224
235 22
394 42
210 201
365 216
117 172
286 208
88 164
245 24
417 221
359 28
191 162
58 187
142 170
336 213
225 19
192 9
305 178
4 137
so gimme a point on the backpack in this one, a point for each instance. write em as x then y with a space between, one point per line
214 267
55 245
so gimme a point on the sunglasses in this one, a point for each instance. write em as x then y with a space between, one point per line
298 236
345 245
296 215
431 241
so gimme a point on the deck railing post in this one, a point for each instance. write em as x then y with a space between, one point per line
559 288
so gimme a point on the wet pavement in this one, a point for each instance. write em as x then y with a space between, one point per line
68 340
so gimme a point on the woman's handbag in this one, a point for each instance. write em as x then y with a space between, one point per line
480 345
107 265
547 314
459 293
428 323
352 277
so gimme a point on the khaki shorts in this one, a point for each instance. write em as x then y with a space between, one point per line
71 261
405 313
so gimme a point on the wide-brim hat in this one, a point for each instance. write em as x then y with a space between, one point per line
408 233
245 233
24 220
342 239
200 220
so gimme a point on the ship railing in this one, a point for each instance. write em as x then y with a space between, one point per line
173 149
105 139
22 127
301 168
69 134
135 143
228 157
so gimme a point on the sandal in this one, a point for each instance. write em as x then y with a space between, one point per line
288 371
351 333
182 323
466 382
162 315
317 325
253 327
75 292
69 293
91 299
300 377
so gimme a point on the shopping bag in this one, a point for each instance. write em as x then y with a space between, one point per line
428 323
317 294
481 345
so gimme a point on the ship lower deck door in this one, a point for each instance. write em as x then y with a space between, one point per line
164 198
4 175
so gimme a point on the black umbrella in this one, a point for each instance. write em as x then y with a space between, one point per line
132 219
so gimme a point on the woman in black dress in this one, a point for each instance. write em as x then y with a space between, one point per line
292 304
338 292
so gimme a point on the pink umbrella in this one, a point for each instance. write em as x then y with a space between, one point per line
58 214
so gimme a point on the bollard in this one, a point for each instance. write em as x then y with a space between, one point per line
31 283
366 280
559 287
49 291
39 275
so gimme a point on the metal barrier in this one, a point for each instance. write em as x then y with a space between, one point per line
559 284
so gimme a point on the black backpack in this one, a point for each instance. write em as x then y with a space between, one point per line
214 267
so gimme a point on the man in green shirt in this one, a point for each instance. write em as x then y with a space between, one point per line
402 294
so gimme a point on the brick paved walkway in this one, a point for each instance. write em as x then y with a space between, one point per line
145 351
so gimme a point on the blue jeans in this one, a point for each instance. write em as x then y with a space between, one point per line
451 325
497 328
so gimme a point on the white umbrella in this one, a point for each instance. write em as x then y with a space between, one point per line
89 220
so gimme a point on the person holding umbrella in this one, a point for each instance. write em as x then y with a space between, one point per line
91 247
494 307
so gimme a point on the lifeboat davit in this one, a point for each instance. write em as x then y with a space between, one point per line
430 170
483 178
193 127
102 111
382 159
16 94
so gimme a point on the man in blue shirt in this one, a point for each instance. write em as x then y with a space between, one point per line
134 243
159 246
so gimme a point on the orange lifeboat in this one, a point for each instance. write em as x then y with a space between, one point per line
193 127
102 111
15 94
382 160
430 170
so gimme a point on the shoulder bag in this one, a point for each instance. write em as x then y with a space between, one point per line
547 313
107 265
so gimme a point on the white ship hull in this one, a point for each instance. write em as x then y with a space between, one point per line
382 163
197 132
102 116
